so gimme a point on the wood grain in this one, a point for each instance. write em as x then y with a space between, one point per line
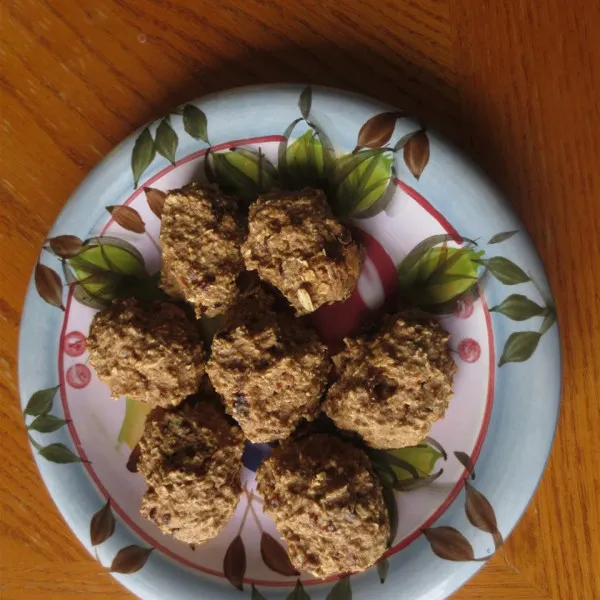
514 83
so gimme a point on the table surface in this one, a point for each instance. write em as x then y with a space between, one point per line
514 83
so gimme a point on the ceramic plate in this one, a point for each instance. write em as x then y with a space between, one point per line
434 229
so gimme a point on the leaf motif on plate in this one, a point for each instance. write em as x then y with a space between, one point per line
505 271
502 237
518 308
65 246
104 270
360 181
142 155
305 102
519 346
465 461
383 568
130 559
449 543
156 200
102 525
234 563
342 590
195 123
409 485
41 402
389 498
128 218
48 285
416 153
243 172
549 320
481 514
305 162
58 453
46 424
378 130
435 278
166 140
298 592
132 427
275 556
256 595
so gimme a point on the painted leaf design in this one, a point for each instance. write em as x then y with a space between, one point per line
389 497
409 485
402 141
102 525
298 593
130 559
275 556
128 218
416 153
436 278
243 172
256 595
41 402
166 140
58 453
142 155
448 543
502 237
134 457
465 461
194 122
234 563
133 422
65 246
518 308
156 200
342 590
305 102
481 514
519 346
548 321
383 568
304 157
94 290
378 130
103 269
112 254
435 444
282 150
46 424
362 180
48 285
505 271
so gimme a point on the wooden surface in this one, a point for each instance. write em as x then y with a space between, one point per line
516 83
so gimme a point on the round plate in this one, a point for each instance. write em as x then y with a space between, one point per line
433 227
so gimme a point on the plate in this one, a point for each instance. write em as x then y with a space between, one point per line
433 227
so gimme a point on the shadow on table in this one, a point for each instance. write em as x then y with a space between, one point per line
424 89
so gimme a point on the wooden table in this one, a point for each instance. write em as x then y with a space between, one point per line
516 83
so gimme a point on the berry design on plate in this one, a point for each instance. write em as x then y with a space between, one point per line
75 343
469 350
78 376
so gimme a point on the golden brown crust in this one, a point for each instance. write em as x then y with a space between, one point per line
191 458
296 244
149 353
392 388
326 503
270 369
200 238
